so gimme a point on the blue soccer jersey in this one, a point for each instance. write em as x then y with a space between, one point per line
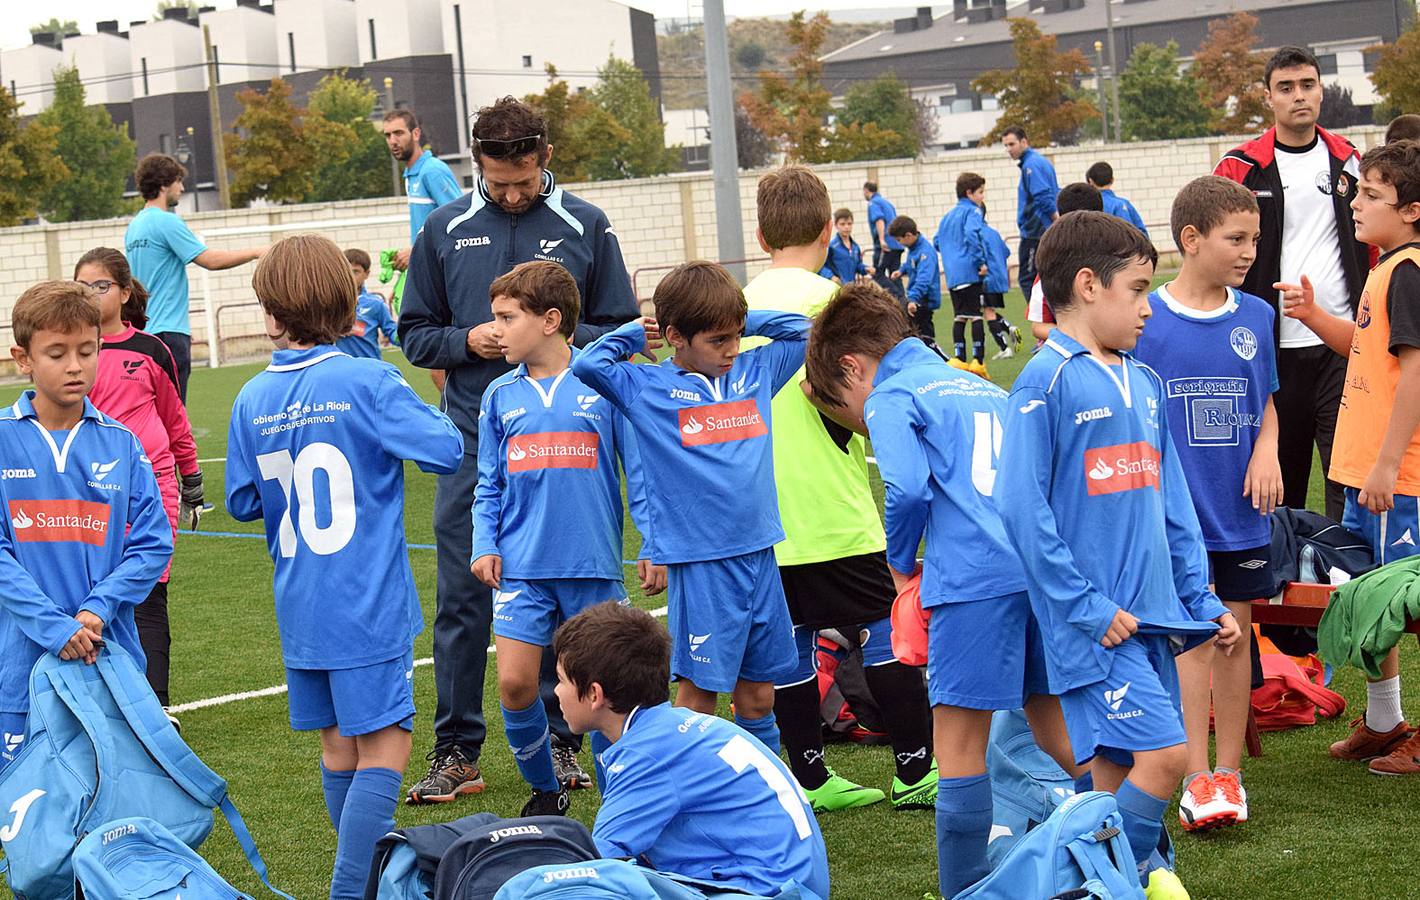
548 499
1094 499
704 442
844 260
936 432
998 278
1218 370
699 796
880 209
920 267
428 184
372 318
83 530
961 239
1116 205
316 448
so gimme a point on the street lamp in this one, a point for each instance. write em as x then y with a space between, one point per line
187 158
1099 84
1113 70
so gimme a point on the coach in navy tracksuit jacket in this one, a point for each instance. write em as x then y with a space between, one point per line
444 324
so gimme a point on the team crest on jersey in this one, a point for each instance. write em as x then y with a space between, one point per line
553 450
1323 182
1243 342
59 521
721 423
1344 184
1121 467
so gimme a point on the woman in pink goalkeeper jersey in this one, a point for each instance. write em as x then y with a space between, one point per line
137 385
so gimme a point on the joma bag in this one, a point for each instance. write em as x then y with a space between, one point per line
100 749
618 879
138 859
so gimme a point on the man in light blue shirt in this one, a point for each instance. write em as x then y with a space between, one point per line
428 181
159 246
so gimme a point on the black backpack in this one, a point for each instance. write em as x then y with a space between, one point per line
1306 547
480 862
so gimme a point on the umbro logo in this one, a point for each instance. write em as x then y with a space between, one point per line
1116 697
100 471
1252 564
548 246
1405 538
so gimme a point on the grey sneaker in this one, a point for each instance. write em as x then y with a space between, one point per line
569 772
451 773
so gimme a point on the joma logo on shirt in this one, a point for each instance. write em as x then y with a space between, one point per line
52 521
481 241
719 423
1121 467
553 450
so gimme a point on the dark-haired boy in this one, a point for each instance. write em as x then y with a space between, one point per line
1075 197
844 263
1404 127
316 449
81 543
1212 347
372 317
962 243
702 425
1101 176
685 792
1086 453
547 468
1377 454
924 287
831 561
935 433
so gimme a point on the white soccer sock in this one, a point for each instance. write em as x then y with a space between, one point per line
1383 705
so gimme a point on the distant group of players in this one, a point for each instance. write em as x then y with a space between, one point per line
1104 517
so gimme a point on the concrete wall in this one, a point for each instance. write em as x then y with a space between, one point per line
659 221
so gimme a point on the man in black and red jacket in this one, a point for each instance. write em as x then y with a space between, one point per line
1304 178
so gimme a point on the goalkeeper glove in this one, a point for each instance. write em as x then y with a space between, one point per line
190 500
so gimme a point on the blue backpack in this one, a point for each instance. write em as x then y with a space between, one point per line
618 879
138 858
100 749
491 851
1026 784
1080 848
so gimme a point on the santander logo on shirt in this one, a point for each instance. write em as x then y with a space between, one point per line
1121 467
553 450
720 423
52 521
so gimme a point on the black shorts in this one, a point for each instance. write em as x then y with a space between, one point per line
1242 575
966 301
995 301
839 593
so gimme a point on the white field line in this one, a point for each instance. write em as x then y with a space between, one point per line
281 688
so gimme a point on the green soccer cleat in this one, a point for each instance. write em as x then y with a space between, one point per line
922 795
839 793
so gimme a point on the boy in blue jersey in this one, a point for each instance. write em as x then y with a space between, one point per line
1212 347
935 431
685 792
845 258
84 536
702 426
372 317
994 289
316 448
547 515
924 283
961 241
1101 176
1093 497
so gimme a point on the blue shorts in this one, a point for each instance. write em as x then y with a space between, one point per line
729 622
875 639
1392 535
530 611
360 701
1135 707
985 654
12 736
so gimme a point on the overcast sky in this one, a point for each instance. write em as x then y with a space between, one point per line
14 27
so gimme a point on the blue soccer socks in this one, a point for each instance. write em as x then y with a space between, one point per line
335 784
963 826
532 745
368 816
1143 815
1086 782
765 728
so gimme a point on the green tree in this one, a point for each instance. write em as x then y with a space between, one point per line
885 103
569 116
752 146
351 159
1397 71
1231 72
97 153
268 154
793 112
55 26
1039 93
1339 110
1157 101
623 94
28 162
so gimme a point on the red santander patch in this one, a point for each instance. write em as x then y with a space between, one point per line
720 423
1121 467
553 450
53 521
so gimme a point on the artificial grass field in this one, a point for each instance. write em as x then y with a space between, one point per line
1319 828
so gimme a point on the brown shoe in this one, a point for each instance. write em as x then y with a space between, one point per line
451 774
1403 760
1363 743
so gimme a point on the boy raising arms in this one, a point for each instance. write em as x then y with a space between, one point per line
685 792
547 513
935 431
1212 347
702 426
316 448
1377 452
66 587
1094 499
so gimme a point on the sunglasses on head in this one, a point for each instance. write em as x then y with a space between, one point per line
504 149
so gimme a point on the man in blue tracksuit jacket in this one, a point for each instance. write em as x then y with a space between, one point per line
515 213
1035 200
